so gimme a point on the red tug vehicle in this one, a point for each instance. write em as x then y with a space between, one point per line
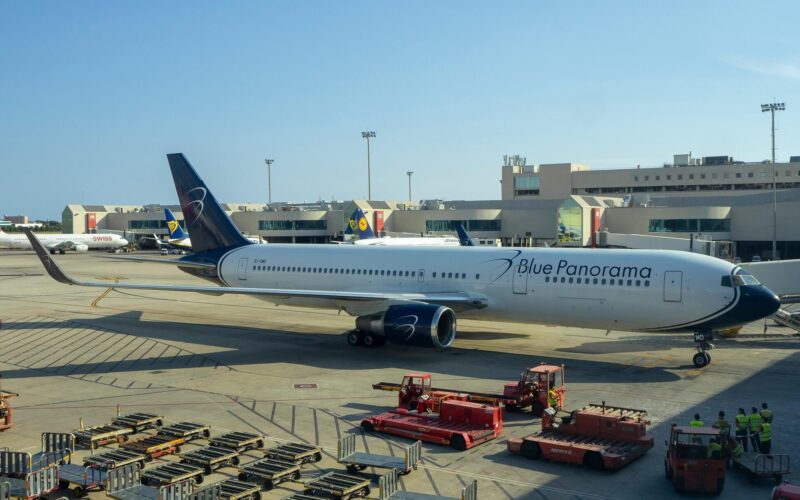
598 436
530 391
692 463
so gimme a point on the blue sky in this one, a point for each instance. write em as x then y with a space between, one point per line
95 93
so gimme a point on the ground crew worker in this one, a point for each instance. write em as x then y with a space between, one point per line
696 422
741 428
766 437
766 413
714 449
552 398
722 424
754 422
736 449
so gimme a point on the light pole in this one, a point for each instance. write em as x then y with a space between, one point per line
367 135
269 177
409 174
772 108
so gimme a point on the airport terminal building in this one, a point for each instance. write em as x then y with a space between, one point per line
714 198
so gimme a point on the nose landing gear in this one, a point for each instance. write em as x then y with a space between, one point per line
703 341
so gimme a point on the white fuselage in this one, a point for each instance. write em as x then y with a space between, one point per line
433 241
66 241
607 289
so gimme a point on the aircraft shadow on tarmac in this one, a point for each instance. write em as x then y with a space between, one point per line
240 346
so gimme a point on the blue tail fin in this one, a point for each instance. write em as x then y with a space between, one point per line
464 237
359 225
174 228
210 226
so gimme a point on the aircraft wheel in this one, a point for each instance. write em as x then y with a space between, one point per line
354 338
701 359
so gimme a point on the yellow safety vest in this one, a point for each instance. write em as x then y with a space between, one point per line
721 424
766 415
741 422
755 422
552 398
766 432
714 447
696 423
737 452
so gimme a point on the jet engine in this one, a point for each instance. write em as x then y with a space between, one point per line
81 248
423 325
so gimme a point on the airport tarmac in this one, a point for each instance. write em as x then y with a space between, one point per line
238 363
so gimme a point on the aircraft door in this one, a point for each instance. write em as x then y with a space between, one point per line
673 285
520 277
242 273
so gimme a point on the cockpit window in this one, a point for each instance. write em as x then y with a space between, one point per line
726 281
742 278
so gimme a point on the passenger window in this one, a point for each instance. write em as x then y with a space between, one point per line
449 275
611 281
629 282
578 281
394 273
570 280
620 282
434 274
463 276
646 282
370 272
382 271
413 273
547 279
406 273
595 281
563 279
638 282
477 276
603 281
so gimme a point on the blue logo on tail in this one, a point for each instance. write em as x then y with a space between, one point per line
174 227
358 225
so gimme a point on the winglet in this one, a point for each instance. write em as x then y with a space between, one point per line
463 237
49 264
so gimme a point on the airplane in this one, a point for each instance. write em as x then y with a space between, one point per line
464 238
60 243
178 239
413 295
358 225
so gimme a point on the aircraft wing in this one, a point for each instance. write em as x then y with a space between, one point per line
157 260
458 300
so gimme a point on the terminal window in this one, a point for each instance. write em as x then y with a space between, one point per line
689 225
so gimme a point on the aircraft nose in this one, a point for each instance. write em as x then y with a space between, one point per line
123 241
758 302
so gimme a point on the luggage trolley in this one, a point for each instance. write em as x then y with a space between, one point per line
338 485
298 453
347 455
139 421
187 430
114 459
101 435
171 473
154 446
211 458
125 484
389 491
57 449
33 484
234 489
270 472
81 480
239 441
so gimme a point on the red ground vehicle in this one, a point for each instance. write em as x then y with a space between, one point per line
691 462
533 387
597 436
460 424
786 491
530 390
6 413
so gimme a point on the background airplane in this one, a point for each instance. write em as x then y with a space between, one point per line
359 229
61 243
411 295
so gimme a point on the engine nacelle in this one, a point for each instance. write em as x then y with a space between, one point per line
423 325
81 248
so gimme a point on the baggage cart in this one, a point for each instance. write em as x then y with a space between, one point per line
347 455
210 492
32 485
154 446
171 473
187 430
139 421
125 484
81 480
233 489
211 458
114 459
338 485
762 465
239 441
57 449
298 453
101 435
270 472
388 489
305 496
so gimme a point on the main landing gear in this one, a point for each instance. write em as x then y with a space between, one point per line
357 337
703 341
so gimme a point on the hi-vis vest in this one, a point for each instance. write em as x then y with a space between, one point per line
755 422
766 432
696 423
741 422
766 415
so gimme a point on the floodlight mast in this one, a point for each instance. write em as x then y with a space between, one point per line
772 108
367 135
